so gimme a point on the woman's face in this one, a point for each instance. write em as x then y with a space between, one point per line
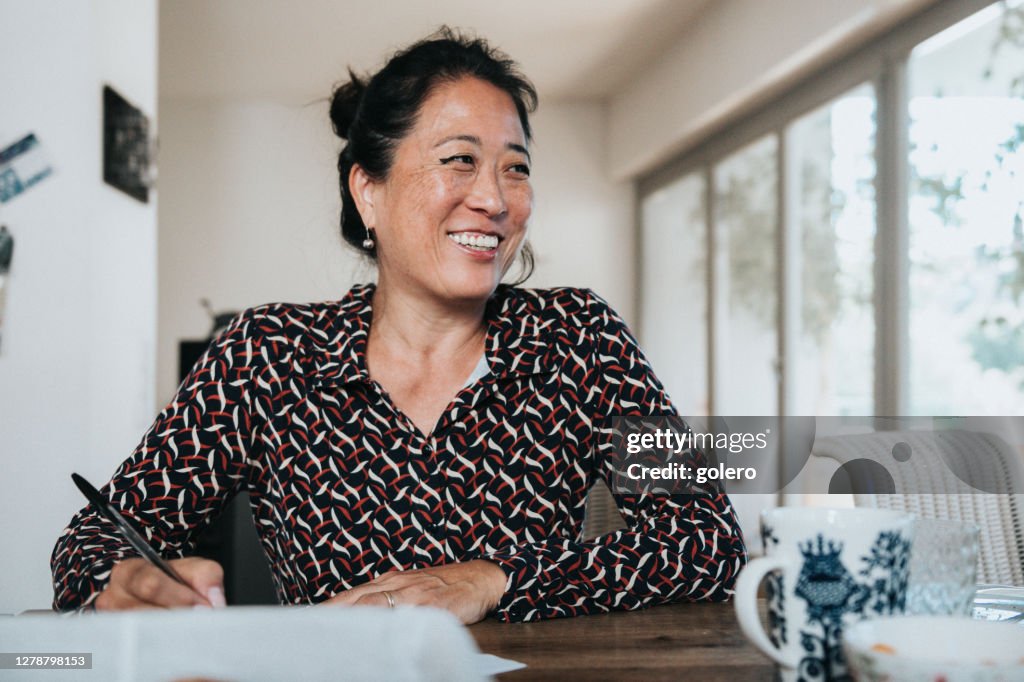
452 214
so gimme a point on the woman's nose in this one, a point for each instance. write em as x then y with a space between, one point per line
486 195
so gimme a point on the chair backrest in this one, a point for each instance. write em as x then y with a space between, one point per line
602 514
959 475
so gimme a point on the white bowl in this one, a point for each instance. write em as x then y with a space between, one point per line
934 648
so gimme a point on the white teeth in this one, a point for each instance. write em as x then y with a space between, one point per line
480 242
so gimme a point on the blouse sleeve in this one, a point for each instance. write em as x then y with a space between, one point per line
190 463
676 547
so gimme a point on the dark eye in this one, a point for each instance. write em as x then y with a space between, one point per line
458 158
521 168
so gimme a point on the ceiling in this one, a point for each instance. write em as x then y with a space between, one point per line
296 50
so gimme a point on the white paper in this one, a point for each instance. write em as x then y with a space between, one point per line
489 665
251 643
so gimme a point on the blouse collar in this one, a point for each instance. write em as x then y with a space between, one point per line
516 343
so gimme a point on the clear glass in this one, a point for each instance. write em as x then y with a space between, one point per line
966 240
746 300
673 313
943 568
746 377
832 150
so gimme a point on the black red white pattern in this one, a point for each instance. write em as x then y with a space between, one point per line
344 487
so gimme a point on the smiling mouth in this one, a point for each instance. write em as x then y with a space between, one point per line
475 240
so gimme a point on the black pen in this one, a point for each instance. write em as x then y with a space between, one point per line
137 542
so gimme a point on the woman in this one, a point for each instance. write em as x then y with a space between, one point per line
428 440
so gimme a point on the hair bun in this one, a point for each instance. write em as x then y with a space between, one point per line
345 104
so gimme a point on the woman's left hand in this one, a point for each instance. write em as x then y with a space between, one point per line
470 590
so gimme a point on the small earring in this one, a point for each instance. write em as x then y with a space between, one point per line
368 243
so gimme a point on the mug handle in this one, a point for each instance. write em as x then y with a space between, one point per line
745 601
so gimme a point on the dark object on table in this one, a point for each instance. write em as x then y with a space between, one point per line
220 320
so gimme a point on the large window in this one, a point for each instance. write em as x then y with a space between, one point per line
674 311
863 249
744 209
966 244
831 153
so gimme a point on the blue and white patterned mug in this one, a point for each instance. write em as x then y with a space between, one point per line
825 568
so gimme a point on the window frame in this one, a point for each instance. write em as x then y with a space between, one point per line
882 63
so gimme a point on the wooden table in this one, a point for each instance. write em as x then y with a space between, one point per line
673 642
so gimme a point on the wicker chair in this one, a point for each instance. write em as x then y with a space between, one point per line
936 492
602 514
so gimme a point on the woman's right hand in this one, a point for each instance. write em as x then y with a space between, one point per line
137 584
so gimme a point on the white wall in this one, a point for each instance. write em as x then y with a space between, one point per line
247 215
735 54
77 363
582 227
249 211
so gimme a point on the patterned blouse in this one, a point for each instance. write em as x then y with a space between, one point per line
345 488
